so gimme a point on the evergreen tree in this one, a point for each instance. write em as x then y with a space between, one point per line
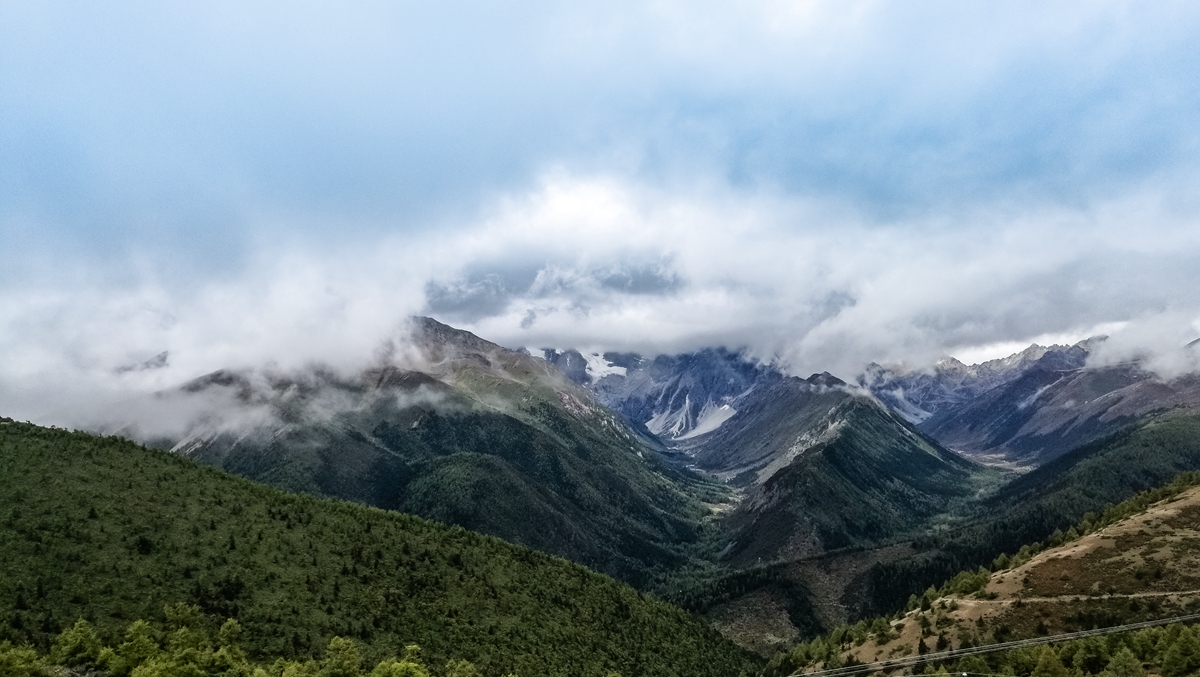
341 659
461 669
139 646
78 646
1124 664
401 669
19 661
1049 665
1091 655
1183 655
972 665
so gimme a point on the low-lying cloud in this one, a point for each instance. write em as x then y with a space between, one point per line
822 183
598 264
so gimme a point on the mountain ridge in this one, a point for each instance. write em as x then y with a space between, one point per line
456 428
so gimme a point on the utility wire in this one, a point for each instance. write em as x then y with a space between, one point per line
988 648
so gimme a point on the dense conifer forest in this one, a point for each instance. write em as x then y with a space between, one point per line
104 530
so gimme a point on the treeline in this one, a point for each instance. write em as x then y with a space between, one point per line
1172 651
1043 505
100 528
187 646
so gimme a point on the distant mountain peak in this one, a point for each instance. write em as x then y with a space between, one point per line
824 379
157 362
1030 406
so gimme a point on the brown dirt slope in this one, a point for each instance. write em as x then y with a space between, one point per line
1145 566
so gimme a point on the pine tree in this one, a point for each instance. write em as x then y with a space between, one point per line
972 664
78 646
19 661
1183 656
341 659
1124 664
1091 655
1049 665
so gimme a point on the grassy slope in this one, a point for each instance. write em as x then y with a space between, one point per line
106 530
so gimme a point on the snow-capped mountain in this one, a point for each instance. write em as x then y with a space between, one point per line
676 397
918 395
769 433
1030 407
821 466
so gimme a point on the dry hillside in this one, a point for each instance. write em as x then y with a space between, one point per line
1145 566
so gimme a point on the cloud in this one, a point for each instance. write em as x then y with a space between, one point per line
176 128
821 288
824 183
605 264
1164 343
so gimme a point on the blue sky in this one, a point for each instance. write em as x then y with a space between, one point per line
828 183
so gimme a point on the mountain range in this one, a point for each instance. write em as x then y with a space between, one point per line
1032 406
456 429
850 495
773 505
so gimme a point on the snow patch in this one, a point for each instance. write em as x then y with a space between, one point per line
711 418
671 423
598 367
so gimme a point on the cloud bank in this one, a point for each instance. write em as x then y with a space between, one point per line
825 184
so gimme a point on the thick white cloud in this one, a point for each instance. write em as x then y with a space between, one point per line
597 263
827 183
821 288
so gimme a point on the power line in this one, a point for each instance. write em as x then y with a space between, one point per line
989 648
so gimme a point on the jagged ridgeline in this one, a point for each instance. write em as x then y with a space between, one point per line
102 529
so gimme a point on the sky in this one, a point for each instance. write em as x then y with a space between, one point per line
823 184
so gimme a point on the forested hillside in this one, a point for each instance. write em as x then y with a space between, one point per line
1052 497
456 429
1133 562
102 529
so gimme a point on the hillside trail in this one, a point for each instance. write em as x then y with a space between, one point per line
1078 598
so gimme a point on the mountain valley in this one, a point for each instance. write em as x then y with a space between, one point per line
849 500
775 507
